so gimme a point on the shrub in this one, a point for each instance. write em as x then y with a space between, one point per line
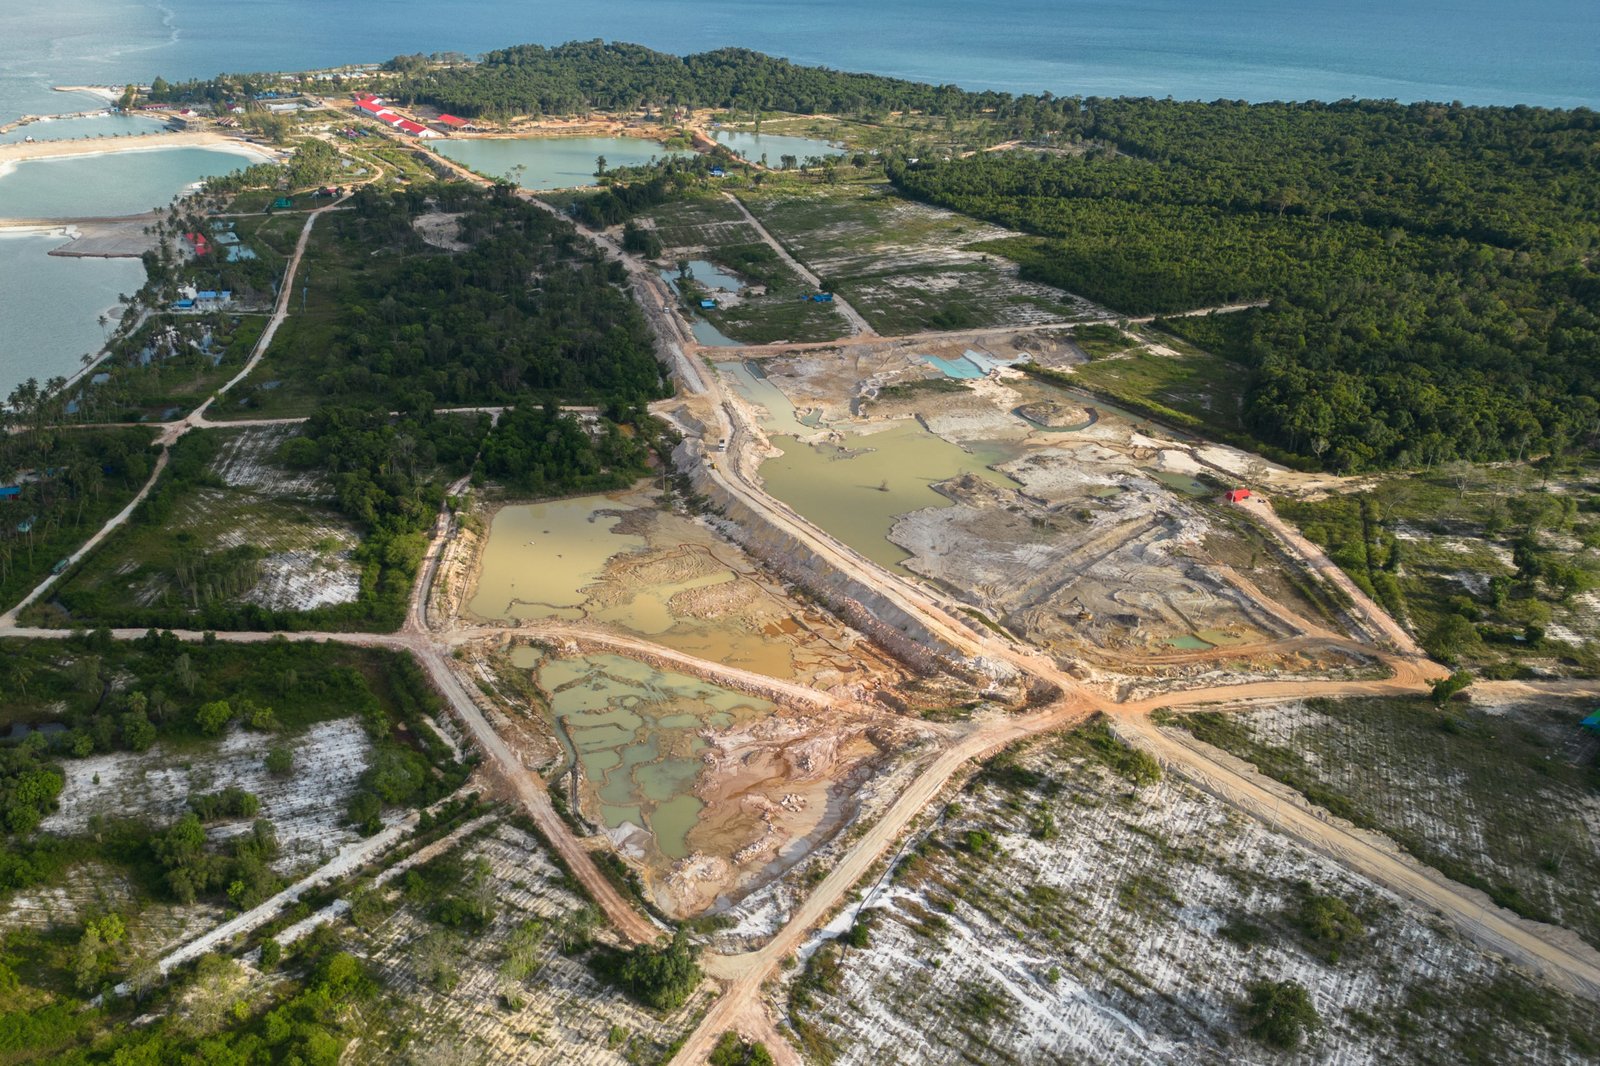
1279 1013
1329 923
658 977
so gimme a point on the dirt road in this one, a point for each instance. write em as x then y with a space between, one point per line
1565 963
858 325
9 619
1315 560
530 792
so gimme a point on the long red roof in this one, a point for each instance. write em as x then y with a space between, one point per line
451 120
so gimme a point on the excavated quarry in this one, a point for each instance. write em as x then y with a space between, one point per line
1082 530
736 720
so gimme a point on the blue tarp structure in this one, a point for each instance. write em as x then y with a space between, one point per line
1592 722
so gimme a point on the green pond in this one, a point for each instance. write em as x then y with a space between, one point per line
635 731
549 162
856 492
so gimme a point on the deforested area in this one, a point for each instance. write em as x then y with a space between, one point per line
1074 903
1498 793
489 953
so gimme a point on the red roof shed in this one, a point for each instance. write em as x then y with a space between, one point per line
1238 495
453 121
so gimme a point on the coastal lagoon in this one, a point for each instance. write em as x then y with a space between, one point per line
75 129
115 183
550 162
49 306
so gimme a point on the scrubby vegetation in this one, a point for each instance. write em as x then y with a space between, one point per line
1485 798
103 695
1492 570
70 483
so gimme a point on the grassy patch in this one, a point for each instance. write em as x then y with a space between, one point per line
906 267
72 483
1502 555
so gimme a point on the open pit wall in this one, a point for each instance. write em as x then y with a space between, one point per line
900 633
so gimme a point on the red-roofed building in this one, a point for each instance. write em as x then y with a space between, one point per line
198 242
453 122
1238 495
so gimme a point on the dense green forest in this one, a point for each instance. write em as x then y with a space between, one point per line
1433 293
540 451
527 308
582 75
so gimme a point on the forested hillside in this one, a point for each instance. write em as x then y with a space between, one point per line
1430 268
533 79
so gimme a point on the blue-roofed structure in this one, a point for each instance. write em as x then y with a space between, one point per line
1592 722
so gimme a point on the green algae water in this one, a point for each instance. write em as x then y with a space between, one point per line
634 730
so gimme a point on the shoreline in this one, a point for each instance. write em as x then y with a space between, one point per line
109 93
29 151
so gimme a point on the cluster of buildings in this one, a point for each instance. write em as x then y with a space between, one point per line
375 107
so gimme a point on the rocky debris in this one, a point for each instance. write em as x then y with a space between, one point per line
1055 415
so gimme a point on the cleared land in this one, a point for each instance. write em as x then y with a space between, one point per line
234 532
1067 906
770 305
905 266
1492 567
485 952
1500 797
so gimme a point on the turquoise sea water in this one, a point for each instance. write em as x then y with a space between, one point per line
122 183
49 306
1535 51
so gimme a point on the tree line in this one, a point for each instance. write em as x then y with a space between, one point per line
1429 268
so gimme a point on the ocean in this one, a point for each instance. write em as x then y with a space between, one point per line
1540 52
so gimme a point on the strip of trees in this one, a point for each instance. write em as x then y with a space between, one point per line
1430 268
